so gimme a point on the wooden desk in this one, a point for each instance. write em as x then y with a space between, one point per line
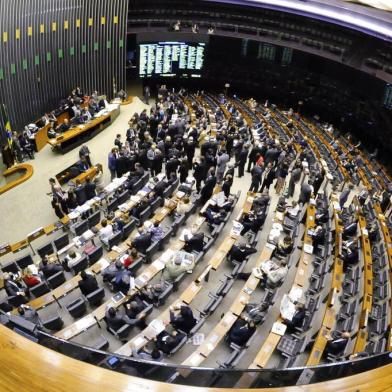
79 134
266 351
26 171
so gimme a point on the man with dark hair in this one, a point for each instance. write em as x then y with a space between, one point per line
88 283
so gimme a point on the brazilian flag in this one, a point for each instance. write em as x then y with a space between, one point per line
7 124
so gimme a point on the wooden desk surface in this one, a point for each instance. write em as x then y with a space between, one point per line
73 132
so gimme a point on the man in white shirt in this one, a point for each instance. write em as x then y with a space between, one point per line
105 232
72 258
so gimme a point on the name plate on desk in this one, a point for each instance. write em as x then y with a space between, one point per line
35 234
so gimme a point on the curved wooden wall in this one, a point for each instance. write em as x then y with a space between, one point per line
27 171
27 366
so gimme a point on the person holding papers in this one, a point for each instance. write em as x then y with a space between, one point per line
285 246
184 320
181 262
298 318
241 331
277 274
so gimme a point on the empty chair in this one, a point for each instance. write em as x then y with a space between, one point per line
122 333
53 323
61 242
80 228
165 239
208 244
128 228
46 249
101 344
136 187
145 178
178 280
115 239
96 297
10 267
56 280
24 261
167 192
81 265
156 204
112 205
123 197
95 255
145 214
77 308
212 304
39 289
151 250
94 219
164 294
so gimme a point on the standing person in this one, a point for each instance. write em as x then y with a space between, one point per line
183 170
200 172
294 179
281 177
158 162
227 183
189 148
269 177
84 153
118 142
112 158
208 188
222 160
257 173
242 157
306 192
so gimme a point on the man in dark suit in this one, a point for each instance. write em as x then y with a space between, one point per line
298 317
117 141
87 284
243 155
338 345
241 252
241 331
195 243
89 189
142 242
14 288
49 269
115 319
83 165
80 193
208 189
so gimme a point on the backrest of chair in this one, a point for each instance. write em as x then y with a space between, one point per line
24 261
39 289
128 228
95 255
167 192
156 203
112 205
81 265
94 219
123 197
46 249
115 239
145 178
145 214
137 186
10 267
56 280
61 242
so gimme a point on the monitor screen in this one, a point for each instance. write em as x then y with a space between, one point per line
170 59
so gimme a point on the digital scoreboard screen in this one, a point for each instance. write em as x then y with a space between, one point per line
171 59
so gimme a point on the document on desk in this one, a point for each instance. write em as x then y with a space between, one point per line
287 308
159 265
157 325
279 328
267 266
186 233
308 249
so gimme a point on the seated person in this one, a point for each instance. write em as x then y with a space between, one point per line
253 221
29 314
71 259
350 254
321 217
123 281
285 246
184 320
262 200
156 232
241 331
140 207
183 206
48 268
298 318
349 229
151 293
338 345
105 232
14 288
115 319
134 307
160 186
30 278
131 258
88 283
318 236
256 312
142 242
292 211
181 262
240 252
195 243
64 127
277 274
215 218
155 355
109 273
166 342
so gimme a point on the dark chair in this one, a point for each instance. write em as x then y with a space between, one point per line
95 255
81 265
123 197
56 280
151 250
96 297
101 344
128 228
145 178
54 323
10 267
122 333
145 214
45 250
115 239
77 308
156 204
61 242
165 293
165 239
136 187
24 262
136 265
94 219
39 289
180 344
178 280
167 192
112 205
